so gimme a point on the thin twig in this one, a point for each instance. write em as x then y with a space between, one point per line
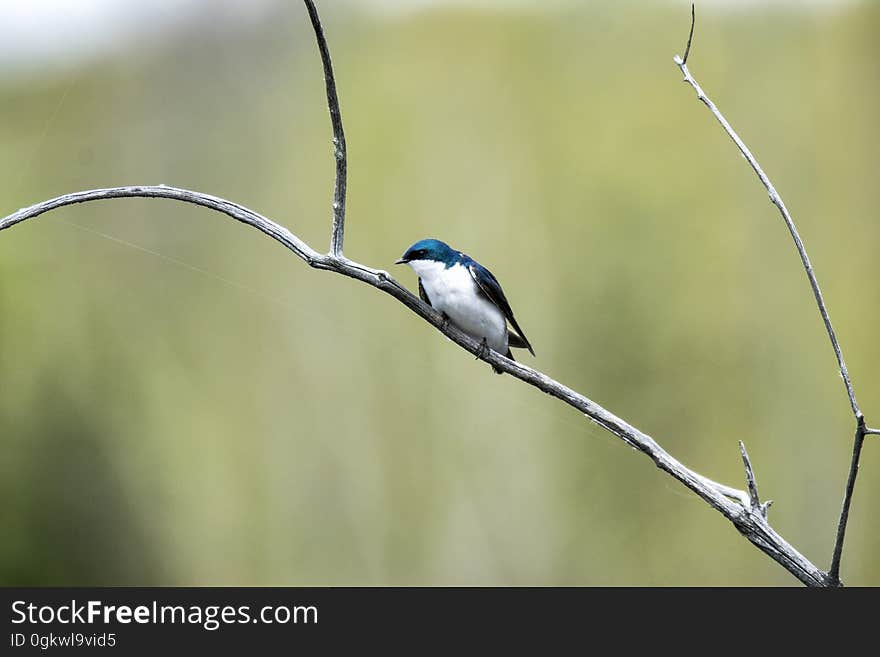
874 432
753 526
750 478
777 201
834 570
687 51
339 153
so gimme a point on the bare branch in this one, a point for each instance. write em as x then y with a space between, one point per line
339 153
875 432
753 527
776 199
859 440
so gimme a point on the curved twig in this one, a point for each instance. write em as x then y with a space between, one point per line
339 153
776 199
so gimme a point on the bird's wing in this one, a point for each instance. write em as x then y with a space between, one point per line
490 287
424 295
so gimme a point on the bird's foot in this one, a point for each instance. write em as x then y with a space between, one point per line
484 350
445 325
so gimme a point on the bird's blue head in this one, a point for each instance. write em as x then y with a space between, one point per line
430 249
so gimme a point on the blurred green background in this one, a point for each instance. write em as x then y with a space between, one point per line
186 403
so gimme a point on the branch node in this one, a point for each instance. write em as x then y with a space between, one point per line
336 259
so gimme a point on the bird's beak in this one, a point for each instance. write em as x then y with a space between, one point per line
400 261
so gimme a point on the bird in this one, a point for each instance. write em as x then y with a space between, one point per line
466 294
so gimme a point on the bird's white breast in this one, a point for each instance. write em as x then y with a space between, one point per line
454 292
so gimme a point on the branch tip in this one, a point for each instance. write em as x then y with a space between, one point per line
687 50
754 500
339 151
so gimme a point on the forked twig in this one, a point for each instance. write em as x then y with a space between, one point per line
776 199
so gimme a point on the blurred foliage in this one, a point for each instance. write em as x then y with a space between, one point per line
184 402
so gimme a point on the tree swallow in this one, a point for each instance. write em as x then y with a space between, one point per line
467 294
